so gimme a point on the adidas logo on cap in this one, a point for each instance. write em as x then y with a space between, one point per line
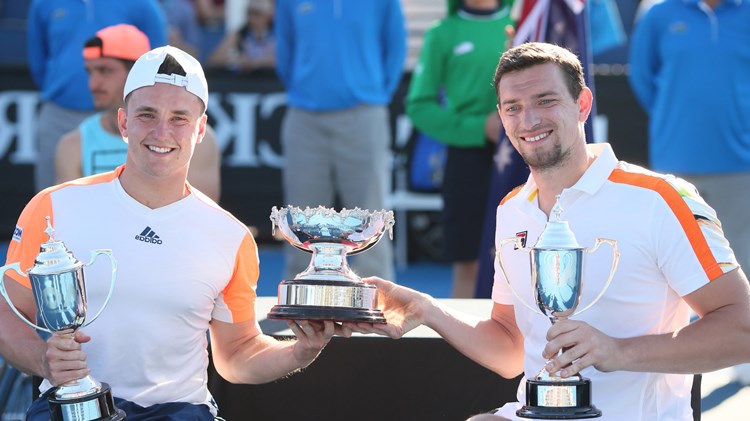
148 236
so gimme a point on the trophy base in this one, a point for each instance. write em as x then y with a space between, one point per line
99 406
335 314
319 299
559 400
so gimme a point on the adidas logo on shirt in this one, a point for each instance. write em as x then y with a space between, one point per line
148 236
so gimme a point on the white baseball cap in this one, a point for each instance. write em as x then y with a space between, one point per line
145 72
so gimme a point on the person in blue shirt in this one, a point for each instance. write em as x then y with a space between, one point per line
690 71
340 62
55 33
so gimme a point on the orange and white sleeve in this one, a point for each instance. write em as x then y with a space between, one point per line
29 235
240 293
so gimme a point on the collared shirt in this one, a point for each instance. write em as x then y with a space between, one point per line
670 244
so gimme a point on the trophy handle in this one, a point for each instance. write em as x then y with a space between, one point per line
501 262
113 262
17 267
615 262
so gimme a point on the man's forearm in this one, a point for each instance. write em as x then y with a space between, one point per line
267 360
20 345
714 342
494 345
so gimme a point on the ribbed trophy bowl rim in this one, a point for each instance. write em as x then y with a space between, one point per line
357 229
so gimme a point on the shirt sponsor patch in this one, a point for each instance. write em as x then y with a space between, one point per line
17 234
522 235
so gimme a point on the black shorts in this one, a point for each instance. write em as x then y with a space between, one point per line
468 172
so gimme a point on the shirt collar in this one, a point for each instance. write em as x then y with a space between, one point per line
599 170
592 180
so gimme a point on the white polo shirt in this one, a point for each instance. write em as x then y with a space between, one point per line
670 244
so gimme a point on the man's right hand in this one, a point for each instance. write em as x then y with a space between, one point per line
402 307
64 359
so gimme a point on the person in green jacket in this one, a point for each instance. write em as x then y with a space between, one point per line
451 99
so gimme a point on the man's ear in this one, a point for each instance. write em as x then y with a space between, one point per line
202 127
585 102
122 123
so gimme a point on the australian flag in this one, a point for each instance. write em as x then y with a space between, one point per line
561 22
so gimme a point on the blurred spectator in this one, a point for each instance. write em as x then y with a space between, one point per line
184 30
690 70
457 52
252 47
56 32
341 63
210 12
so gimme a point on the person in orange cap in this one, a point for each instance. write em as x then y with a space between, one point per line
96 146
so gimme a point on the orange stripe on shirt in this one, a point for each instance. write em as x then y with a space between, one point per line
239 294
33 223
681 210
511 194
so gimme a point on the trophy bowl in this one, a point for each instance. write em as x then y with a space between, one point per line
328 289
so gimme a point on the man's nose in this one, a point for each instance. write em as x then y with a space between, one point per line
161 128
94 82
530 117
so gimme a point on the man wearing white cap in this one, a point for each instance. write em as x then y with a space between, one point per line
96 146
184 266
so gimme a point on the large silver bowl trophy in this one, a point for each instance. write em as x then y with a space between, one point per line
557 283
59 289
328 289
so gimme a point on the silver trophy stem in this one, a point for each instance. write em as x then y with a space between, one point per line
78 388
328 262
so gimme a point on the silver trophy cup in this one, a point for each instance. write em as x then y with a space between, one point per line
59 289
557 283
328 289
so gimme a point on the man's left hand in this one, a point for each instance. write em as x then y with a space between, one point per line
313 336
583 346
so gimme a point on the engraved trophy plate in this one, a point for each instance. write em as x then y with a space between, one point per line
328 289
557 282
57 282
